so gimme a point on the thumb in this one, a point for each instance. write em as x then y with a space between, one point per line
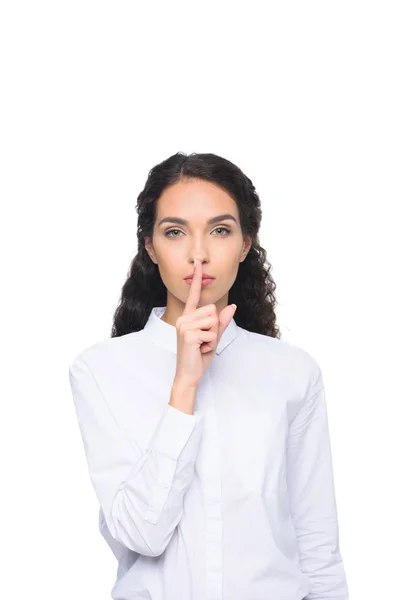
225 318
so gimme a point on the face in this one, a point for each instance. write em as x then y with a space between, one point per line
219 246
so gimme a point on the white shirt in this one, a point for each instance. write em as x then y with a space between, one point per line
235 502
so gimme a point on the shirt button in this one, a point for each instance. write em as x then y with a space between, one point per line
164 484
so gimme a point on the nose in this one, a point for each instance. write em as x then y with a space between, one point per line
199 259
198 249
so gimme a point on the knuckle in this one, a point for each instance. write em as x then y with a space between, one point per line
183 328
181 321
186 334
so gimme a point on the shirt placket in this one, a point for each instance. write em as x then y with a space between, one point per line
212 498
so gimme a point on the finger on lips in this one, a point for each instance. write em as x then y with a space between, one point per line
194 289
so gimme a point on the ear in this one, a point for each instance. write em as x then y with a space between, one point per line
150 250
246 248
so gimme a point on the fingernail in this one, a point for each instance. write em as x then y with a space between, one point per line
234 306
194 263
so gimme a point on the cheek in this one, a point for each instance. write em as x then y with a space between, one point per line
166 254
168 264
231 273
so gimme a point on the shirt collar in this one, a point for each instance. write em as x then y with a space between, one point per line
163 334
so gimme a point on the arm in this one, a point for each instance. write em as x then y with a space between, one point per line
140 491
312 497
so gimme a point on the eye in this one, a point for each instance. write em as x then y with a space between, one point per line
171 231
224 229
228 231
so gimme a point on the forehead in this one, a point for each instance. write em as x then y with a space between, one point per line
195 198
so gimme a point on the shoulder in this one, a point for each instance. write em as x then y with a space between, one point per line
110 351
279 349
280 356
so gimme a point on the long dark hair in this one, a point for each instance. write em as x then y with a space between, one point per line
254 287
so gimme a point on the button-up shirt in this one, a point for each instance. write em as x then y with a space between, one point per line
233 502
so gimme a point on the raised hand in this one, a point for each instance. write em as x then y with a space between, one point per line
199 331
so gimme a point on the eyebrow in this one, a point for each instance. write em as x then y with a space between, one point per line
179 221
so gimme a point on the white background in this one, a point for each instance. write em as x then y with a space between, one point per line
304 98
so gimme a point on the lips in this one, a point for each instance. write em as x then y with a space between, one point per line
205 276
204 282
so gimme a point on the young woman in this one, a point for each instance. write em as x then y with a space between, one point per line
206 436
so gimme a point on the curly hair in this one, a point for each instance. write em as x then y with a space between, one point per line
254 287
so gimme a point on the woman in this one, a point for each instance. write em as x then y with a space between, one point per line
206 436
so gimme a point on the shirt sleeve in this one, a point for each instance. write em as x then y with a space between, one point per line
312 497
140 491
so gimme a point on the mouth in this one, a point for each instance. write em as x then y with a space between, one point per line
204 276
204 281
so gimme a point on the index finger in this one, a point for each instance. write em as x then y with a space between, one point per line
193 298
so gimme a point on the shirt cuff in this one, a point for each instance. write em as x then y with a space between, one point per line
178 434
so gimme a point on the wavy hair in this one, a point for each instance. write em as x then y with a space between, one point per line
254 287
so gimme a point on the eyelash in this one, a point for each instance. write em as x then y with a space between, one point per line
228 231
